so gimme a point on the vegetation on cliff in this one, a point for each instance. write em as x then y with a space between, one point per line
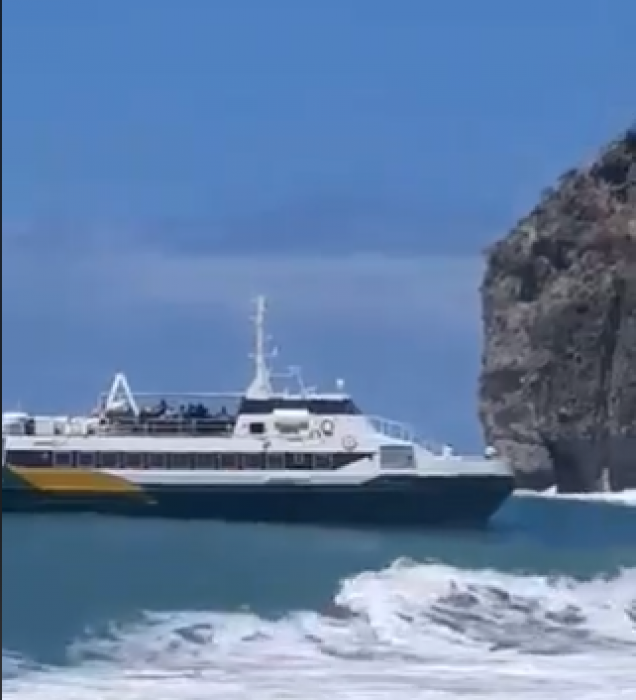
558 383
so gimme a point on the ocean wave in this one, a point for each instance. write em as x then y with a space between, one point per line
15 665
415 631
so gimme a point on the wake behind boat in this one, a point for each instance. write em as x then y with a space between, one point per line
303 457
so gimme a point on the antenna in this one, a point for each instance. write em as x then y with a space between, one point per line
261 385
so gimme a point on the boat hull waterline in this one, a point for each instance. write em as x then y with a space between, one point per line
381 501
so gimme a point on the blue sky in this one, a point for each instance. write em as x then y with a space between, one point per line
164 161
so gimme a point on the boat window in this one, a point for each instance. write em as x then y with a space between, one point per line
156 460
229 460
323 461
299 461
29 458
207 460
334 407
316 406
134 460
110 460
276 462
63 459
181 460
252 460
86 459
397 457
257 428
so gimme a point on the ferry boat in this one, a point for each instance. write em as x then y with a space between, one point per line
296 458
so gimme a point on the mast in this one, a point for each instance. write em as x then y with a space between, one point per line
261 383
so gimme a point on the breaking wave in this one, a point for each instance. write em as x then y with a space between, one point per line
624 498
411 631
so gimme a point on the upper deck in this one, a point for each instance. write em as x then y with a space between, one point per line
261 412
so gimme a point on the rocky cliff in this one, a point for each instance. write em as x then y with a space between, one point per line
558 383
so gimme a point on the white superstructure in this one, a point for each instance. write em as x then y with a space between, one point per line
305 435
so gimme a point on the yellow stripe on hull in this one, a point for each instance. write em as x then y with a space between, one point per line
74 481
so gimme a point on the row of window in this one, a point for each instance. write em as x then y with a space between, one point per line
209 460
318 407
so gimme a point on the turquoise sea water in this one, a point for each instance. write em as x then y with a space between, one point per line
541 605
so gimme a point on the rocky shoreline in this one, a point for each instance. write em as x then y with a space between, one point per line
558 382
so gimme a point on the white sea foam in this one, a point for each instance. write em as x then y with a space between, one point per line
411 632
626 498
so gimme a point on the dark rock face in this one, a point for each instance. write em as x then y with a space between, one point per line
558 383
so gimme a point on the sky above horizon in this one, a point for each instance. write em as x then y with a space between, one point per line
164 162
